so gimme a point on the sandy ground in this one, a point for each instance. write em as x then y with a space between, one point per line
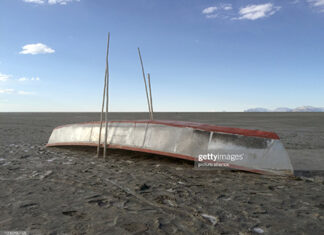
69 191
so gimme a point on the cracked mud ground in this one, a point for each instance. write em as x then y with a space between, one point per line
70 191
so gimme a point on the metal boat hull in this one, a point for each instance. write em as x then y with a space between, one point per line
261 152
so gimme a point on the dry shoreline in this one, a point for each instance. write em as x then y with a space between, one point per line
68 190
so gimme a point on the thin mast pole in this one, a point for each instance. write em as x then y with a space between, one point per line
151 101
147 97
107 100
103 102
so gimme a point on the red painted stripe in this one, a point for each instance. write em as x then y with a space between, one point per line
200 126
175 155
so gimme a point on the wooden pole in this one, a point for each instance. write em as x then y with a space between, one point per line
103 102
107 100
151 101
147 97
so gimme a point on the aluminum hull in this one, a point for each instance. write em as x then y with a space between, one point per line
262 152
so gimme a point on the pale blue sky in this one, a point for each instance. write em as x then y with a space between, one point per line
202 55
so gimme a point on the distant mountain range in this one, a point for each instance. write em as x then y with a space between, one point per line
298 109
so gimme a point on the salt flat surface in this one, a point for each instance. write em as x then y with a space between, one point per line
68 190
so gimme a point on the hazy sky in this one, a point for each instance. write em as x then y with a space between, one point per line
202 55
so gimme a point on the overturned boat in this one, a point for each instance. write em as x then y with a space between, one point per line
248 150
207 145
